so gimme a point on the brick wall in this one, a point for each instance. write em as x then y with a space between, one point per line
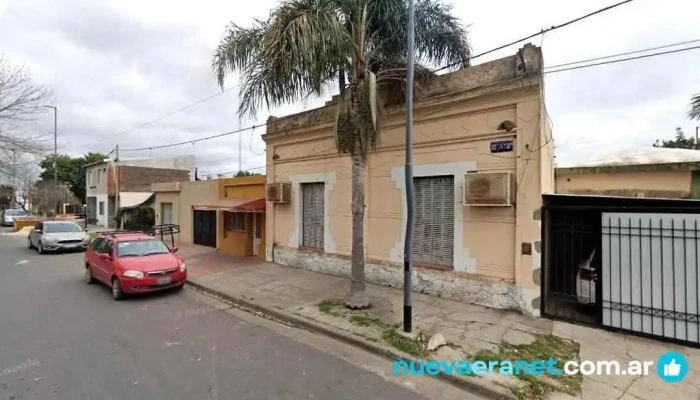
139 179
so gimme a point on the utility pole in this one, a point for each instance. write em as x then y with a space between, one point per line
408 244
116 188
55 156
697 143
13 200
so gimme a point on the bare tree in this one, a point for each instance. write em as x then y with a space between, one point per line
21 101
43 197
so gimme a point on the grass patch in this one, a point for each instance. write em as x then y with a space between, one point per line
363 320
403 343
543 348
328 306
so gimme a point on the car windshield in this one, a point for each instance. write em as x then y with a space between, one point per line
61 227
15 213
139 248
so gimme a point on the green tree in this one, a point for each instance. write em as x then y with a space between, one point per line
680 142
70 171
694 112
305 45
246 173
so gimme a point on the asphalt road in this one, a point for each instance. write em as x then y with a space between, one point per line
63 339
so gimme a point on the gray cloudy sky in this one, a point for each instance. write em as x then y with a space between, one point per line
115 64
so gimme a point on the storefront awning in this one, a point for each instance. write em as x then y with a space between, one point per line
233 205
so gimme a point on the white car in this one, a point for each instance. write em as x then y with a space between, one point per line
586 279
58 235
8 217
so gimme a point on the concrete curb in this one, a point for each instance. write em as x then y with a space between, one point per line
471 385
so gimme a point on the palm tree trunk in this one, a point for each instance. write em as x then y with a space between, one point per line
358 298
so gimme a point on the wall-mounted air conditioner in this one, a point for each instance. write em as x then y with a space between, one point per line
279 192
488 189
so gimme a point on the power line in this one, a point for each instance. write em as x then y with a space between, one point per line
234 172
541 32
624 54
195 140
167 115
623 59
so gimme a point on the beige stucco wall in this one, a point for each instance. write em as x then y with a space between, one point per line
190 193
451 137
675 184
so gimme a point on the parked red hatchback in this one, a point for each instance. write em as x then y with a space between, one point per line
133 262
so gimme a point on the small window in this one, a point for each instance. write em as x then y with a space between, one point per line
102 208
90 182
106 247
96 244
235 222
99 176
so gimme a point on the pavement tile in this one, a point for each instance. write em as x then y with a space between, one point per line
467 328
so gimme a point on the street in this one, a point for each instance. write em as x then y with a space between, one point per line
63 339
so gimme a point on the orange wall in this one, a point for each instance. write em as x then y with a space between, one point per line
240 243
243 187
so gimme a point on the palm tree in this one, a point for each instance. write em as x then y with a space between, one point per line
694 112
307 45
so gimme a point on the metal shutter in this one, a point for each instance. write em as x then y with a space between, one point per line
312 215
433 241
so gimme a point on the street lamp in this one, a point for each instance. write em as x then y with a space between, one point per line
55 153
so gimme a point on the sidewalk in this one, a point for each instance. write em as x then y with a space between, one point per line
313 300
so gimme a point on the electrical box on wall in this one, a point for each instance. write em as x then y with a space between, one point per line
488 189
279 192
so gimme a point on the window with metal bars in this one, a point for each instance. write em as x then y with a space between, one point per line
235 221
433 240
312 215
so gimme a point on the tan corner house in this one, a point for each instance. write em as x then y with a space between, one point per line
639 172
228 214
482 160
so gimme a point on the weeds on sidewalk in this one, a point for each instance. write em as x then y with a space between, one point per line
384 332
328 306
543 348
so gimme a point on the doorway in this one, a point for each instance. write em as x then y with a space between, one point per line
205 228
257 233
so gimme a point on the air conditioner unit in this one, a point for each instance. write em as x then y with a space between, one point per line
488 189
279 192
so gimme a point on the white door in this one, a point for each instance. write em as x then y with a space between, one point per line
651 274
256 233
166 213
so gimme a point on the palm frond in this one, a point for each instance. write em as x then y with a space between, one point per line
294 53
440 38
237 49
391 79
694 112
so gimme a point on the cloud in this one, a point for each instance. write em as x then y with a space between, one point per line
116 64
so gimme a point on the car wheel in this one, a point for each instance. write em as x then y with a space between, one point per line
40 248
31 246
89 279
117 293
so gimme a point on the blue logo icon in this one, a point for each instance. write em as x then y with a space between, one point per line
672 367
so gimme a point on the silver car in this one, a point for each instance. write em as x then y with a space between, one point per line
58 235
8 217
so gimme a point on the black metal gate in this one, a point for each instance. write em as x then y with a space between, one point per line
205 228
623 264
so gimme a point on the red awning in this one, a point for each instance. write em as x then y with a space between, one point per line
233 205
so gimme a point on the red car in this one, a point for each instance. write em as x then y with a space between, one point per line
133 262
